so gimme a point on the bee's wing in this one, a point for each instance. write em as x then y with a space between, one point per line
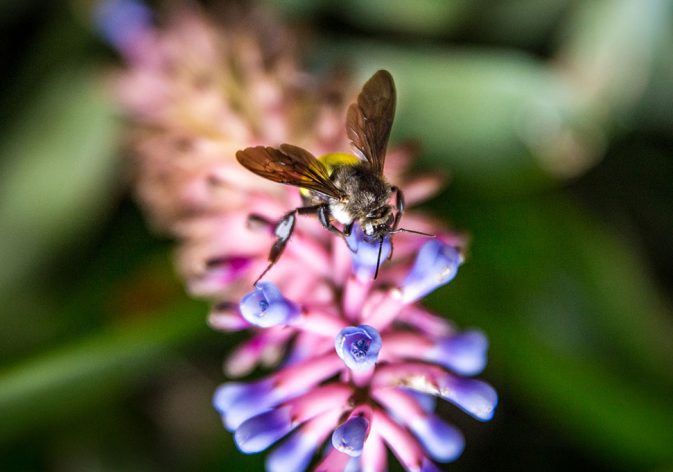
369 121
289 165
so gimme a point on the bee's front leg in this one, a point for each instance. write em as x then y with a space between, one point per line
283 229
399 207
324 217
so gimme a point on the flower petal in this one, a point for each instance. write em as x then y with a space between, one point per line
258 433
443 442
436 265
463 353
475 397
358 347
265 306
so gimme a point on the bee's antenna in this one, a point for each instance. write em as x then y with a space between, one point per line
378 259
404 230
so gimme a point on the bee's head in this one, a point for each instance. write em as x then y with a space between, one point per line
378 223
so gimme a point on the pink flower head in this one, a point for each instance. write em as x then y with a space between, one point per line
356 361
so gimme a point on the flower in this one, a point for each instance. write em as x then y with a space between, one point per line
122 23
366 253
265 306
356 362
436 265
364 361
349 438
358 347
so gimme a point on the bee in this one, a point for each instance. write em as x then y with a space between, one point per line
340 187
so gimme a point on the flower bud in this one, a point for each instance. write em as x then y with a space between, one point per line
258 433
295 454
475 397
443 442
237 402
436 265
265 306
366 253
358 347
120 22
349 438
429 466
463 353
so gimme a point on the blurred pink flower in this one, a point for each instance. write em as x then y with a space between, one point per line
196 91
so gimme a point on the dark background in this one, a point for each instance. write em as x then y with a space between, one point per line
555 121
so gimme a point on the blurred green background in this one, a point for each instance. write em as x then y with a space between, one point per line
554 119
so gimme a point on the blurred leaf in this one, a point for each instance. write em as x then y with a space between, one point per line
523 23
10 10
423 17
609 52
507 123
499 120
121 270
58 173
60 383
654 110
632 190
295 8
578 332
48 41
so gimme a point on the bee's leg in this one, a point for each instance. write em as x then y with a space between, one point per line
347 229
323 216
309 210
283 230
399 211
258 222
399 206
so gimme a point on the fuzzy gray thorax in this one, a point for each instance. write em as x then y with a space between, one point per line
368 196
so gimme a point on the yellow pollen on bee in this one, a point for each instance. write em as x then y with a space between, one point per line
332 160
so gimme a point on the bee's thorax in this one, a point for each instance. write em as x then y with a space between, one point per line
367 193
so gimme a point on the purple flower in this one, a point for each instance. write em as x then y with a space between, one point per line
475 397
443 442
295 453
349 438
122 22
429 466
365 253
436 265
258 433
358 347
463 353
265 306
237 402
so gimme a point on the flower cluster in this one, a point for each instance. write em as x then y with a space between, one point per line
361 360
358 362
